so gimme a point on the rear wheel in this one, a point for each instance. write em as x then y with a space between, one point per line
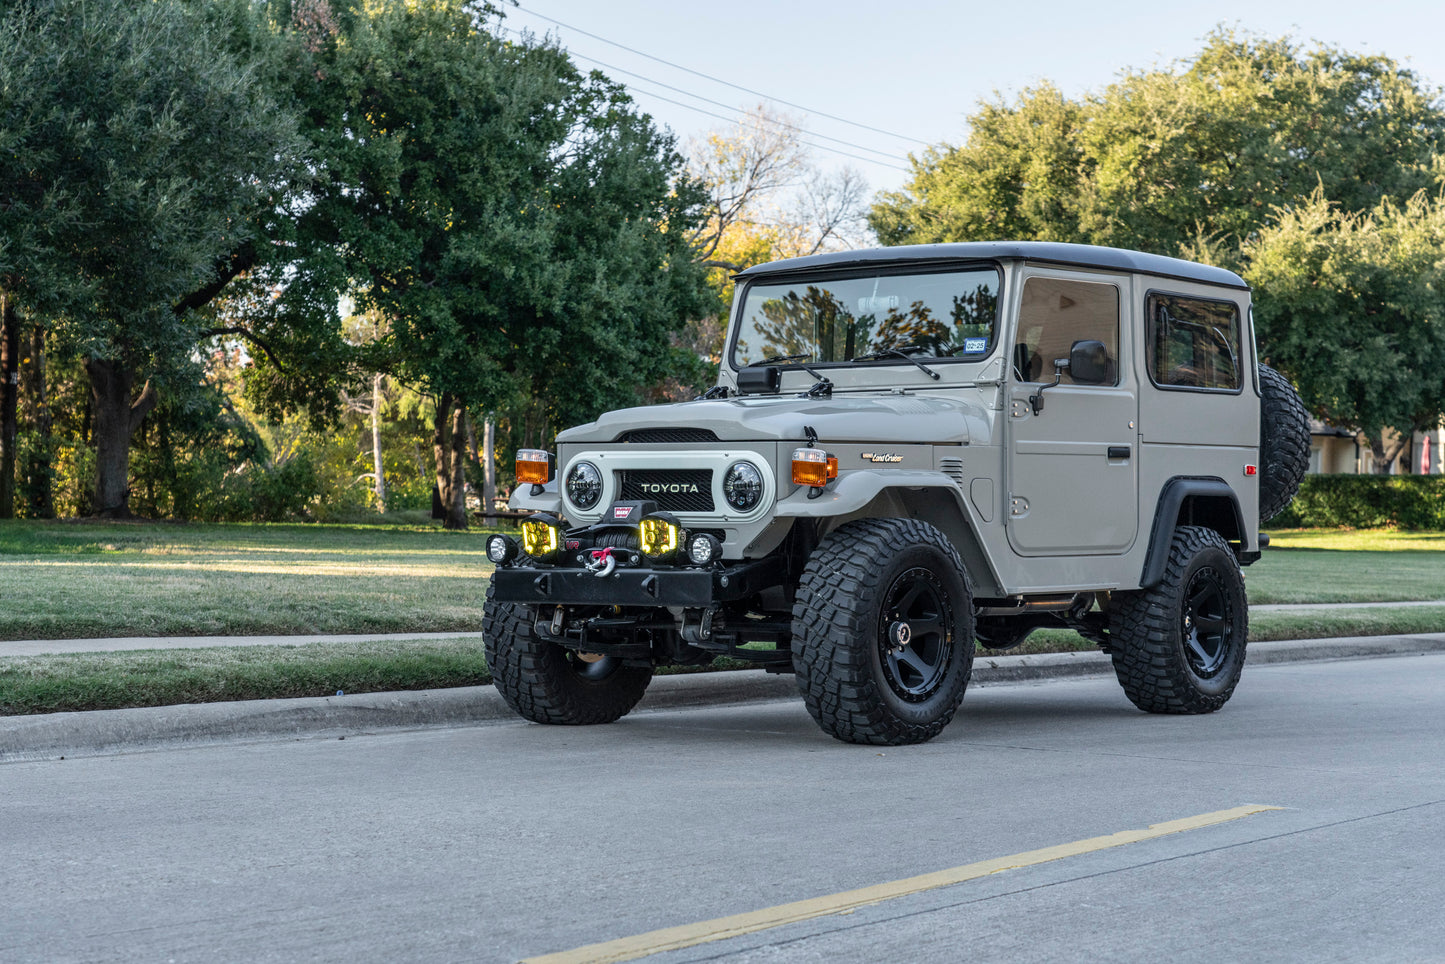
548 683
1179 646
883 632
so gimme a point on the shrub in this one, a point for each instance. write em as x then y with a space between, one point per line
1367 502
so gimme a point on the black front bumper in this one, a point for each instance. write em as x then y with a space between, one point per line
689 588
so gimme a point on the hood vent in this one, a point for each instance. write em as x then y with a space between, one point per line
667 436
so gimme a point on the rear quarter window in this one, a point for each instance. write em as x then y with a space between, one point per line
1194 343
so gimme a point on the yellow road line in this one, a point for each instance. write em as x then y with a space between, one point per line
722 928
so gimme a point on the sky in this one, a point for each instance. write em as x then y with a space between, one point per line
873 82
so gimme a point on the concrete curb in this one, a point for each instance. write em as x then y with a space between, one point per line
58 735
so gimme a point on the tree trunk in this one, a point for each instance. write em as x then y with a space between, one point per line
449 447
39 474
116 419
376 443
1385 455
9 399
489 464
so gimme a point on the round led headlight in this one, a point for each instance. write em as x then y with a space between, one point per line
584 485
743 486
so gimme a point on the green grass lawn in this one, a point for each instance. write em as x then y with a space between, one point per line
1326 565
88 579
68 580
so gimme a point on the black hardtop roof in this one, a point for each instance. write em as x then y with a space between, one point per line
1081 255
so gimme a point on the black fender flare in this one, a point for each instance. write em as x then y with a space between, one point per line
1178 493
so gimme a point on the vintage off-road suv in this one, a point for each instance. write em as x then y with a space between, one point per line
910 450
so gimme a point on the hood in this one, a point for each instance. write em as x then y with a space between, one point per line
843 418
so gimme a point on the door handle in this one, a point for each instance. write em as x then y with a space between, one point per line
1118 451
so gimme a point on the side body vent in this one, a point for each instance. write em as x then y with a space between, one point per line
953 468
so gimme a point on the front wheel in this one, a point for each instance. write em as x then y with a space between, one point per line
883 632
548 683
1178 647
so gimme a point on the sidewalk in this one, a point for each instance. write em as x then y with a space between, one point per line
54 735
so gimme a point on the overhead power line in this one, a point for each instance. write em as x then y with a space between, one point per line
717 103
801 131
719 80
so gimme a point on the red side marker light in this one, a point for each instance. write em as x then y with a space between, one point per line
1251 470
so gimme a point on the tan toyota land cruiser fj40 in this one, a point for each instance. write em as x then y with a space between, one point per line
909 451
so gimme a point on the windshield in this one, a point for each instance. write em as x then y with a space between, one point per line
938 314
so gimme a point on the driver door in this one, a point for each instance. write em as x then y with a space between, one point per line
1073 447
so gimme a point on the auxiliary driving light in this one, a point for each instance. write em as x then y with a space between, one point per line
501 550
534 465
813 467
541 537
660 536
703 549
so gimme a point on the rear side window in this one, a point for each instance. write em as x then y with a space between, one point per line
1194 343
1053 315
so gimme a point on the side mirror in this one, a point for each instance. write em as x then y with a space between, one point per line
760 380
1089 363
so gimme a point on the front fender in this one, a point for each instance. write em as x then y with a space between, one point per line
548 500
853 491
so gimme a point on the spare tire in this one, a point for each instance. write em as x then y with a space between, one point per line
1284 443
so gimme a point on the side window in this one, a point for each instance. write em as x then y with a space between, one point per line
1055 314
1194 343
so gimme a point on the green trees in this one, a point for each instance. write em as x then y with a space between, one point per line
180 172
520 229
1298 167
1356 302
136 151
1164 159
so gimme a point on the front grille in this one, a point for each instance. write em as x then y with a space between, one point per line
667 436
674 490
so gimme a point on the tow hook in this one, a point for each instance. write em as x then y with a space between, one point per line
602 562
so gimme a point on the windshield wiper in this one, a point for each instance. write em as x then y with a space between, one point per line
900 353
778 359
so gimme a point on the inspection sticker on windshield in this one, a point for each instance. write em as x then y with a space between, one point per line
972 345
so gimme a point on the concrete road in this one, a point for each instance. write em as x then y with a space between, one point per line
509 841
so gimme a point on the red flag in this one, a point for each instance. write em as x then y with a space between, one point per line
1425 457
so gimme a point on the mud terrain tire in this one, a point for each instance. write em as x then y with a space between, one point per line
883 632
1179 646
1284 443
547 683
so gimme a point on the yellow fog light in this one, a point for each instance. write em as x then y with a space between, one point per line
813 467
541 537
660 536
534 465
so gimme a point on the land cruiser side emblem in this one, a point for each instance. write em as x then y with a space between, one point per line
657 488
882 457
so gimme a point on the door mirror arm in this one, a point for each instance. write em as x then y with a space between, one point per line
1036 400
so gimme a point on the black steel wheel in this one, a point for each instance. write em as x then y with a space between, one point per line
1179 646
883 632
914 632
548 683
1206 622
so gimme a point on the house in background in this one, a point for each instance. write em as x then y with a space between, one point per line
1337 451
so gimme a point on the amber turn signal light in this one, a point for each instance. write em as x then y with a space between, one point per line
813 467
534 465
